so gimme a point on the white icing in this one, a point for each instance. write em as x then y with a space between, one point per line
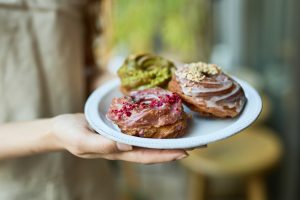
224 83
198 91
225 96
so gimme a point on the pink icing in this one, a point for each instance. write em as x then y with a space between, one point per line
154 107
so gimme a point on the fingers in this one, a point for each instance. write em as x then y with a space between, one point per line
124 147
93 143
97 146
149 156
200 147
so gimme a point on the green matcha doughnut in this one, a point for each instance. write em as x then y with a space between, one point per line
144 71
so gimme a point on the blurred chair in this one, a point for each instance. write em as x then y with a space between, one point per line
240 161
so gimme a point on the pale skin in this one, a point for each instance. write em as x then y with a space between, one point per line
71 132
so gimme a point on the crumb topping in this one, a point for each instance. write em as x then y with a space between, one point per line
197 71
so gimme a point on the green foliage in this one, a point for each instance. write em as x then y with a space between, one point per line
158 25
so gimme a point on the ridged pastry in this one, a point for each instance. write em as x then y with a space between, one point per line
150 113
143 71
204 88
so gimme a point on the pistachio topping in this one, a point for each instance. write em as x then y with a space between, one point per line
142 71
197 71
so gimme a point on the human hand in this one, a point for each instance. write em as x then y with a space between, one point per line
71 132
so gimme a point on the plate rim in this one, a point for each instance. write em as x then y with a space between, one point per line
173 143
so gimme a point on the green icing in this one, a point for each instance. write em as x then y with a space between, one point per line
145 71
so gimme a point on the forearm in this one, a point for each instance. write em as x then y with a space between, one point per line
26 138
71 132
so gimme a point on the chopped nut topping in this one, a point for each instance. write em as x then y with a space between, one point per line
197 71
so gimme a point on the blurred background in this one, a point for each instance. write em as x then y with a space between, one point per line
251 39
255 40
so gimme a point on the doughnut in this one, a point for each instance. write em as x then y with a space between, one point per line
143 71
206 89
149 113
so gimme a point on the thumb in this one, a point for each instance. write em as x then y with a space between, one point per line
97 143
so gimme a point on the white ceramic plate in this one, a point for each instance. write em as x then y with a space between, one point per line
200 131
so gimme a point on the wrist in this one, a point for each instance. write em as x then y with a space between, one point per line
52 137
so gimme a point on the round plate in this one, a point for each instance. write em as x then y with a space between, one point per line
201 130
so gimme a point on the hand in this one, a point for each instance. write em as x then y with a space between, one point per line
71 132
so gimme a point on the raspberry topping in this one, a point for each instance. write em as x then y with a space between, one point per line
141 101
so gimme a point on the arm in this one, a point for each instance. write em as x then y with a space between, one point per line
70 132
26 138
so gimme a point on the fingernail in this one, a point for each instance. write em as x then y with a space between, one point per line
124 147
182 156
